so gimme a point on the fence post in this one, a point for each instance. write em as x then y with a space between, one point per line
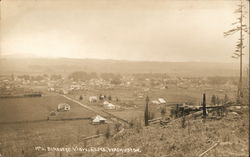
177 111
204 106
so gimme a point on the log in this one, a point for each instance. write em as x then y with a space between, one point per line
202 154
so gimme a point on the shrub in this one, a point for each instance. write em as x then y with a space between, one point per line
117 127
107 132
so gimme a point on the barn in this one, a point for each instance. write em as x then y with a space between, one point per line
63 107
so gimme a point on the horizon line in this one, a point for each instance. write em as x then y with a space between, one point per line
110 59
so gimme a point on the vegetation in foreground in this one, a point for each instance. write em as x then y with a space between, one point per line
231 133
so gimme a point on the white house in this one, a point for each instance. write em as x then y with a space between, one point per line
93 99
98 120
162 101
63 107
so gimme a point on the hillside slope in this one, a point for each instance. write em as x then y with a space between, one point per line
231 133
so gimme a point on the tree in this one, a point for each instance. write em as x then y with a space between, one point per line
80 98
55 77
241 28
116 81
100 97
79 75
218 101
213 100
146 114
107 132
226 98
183 121
109 98
163 111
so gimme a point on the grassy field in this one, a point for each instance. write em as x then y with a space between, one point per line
16 134
29 109
26 136
16 137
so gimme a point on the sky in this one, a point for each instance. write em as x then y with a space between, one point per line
149 30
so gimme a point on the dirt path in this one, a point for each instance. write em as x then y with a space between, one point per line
97 111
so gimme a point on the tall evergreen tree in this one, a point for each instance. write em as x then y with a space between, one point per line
241 28
146 112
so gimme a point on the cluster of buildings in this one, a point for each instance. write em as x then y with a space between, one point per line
11 83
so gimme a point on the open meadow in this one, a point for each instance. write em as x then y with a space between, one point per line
37 108
24 124
15 138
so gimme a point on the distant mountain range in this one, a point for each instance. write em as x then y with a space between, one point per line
68 65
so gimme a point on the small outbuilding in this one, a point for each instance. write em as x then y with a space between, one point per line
109 106
99 120
162 101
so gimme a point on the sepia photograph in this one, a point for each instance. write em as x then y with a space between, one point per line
124 78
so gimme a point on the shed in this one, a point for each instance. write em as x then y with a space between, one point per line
99 119
109 106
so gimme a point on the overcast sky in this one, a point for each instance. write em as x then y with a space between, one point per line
159 30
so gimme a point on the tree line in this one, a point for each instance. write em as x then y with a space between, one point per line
84 76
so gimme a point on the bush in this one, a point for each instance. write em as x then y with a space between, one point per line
107 132
183 122
151 115
80 98
163 111
136 124
109 98
117 127
97 132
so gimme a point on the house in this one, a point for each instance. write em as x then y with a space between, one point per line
63 107
162 101
99 120
93 99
